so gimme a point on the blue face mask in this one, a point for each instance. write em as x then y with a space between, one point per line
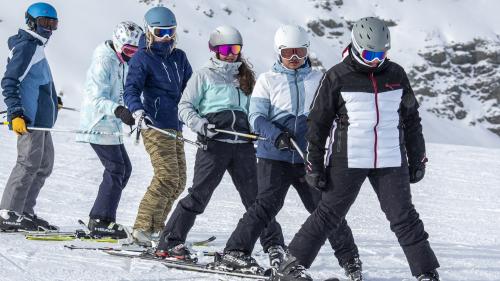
45 33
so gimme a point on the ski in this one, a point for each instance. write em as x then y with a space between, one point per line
203 242
187 266
128 248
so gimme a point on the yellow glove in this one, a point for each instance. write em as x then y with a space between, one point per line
19 126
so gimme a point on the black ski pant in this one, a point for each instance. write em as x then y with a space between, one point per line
393 191
210 165
274 179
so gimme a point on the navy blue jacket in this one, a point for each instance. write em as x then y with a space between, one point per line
160 75
27 84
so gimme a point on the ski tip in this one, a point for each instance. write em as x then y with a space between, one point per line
332 279
211 239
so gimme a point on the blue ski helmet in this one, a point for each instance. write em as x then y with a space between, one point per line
41 10
160 16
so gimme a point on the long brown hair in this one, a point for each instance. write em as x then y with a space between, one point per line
246 76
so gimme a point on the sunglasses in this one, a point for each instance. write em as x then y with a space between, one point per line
289 53
47 23
226 50
371 56
163 31
129 50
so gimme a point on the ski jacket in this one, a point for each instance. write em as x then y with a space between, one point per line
103 94
280 102
159 74
370 117
213 93
27 84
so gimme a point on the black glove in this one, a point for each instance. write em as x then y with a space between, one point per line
125 115
283 141
417 171
59 103
316 179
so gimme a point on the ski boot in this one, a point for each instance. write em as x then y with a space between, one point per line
179 252
12 221
353 269
276 255
290 270
101 228
237 261
142 237
429 276
43 224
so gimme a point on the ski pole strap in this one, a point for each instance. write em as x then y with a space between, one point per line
175 136
250 136
296 146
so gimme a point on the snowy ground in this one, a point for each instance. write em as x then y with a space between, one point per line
458 201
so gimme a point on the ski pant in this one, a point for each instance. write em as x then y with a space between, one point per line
169 179
211 164
117 170
393 191
35 160
274 180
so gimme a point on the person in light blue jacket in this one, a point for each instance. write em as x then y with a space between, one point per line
103 111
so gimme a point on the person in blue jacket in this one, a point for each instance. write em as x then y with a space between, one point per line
158 73
31 100
102 110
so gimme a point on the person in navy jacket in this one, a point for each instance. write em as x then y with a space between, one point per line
158 74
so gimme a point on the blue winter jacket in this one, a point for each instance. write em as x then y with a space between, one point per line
27 84
160 75
280 102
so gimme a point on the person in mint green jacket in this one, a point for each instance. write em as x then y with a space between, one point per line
103 111
217 96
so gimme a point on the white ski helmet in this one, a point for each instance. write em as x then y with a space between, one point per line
126 33
291 36
225 35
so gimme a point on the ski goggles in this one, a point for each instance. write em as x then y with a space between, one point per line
371 56
289 53
47 23
226 50
129 50
163 31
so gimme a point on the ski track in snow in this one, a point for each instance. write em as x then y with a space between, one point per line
457 200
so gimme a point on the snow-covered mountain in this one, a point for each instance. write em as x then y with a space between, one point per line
450 48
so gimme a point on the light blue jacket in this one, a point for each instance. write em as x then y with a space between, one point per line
103 94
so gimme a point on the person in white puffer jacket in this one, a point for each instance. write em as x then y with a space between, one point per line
103 111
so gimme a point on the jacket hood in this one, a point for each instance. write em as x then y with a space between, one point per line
229 68
25 35
162 49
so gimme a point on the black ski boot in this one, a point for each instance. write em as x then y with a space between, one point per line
237 261
276 255
100 228
12 221
291 270
179 252
353 269
429 276
43 224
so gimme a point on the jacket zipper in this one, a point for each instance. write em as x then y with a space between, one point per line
178 75
296 111
375 145
232 125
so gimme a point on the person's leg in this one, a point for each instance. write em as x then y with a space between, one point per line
392 187
111 187
341 240
42 174
164 185
30 148
209 168
270 199
345 184
243 171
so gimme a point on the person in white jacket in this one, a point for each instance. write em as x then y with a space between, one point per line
103 111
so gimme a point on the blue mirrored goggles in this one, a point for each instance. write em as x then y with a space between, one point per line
370 56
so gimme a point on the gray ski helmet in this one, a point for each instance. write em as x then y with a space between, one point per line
225 35
160 16
371 34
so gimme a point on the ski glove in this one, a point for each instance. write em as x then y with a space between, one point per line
316 179
142 120
204 128
125 115
283 142
19 125
417 171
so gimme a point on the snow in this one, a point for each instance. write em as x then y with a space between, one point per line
457 200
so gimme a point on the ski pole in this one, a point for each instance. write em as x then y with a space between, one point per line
175 136
71 131
62 107
296 146
250 136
